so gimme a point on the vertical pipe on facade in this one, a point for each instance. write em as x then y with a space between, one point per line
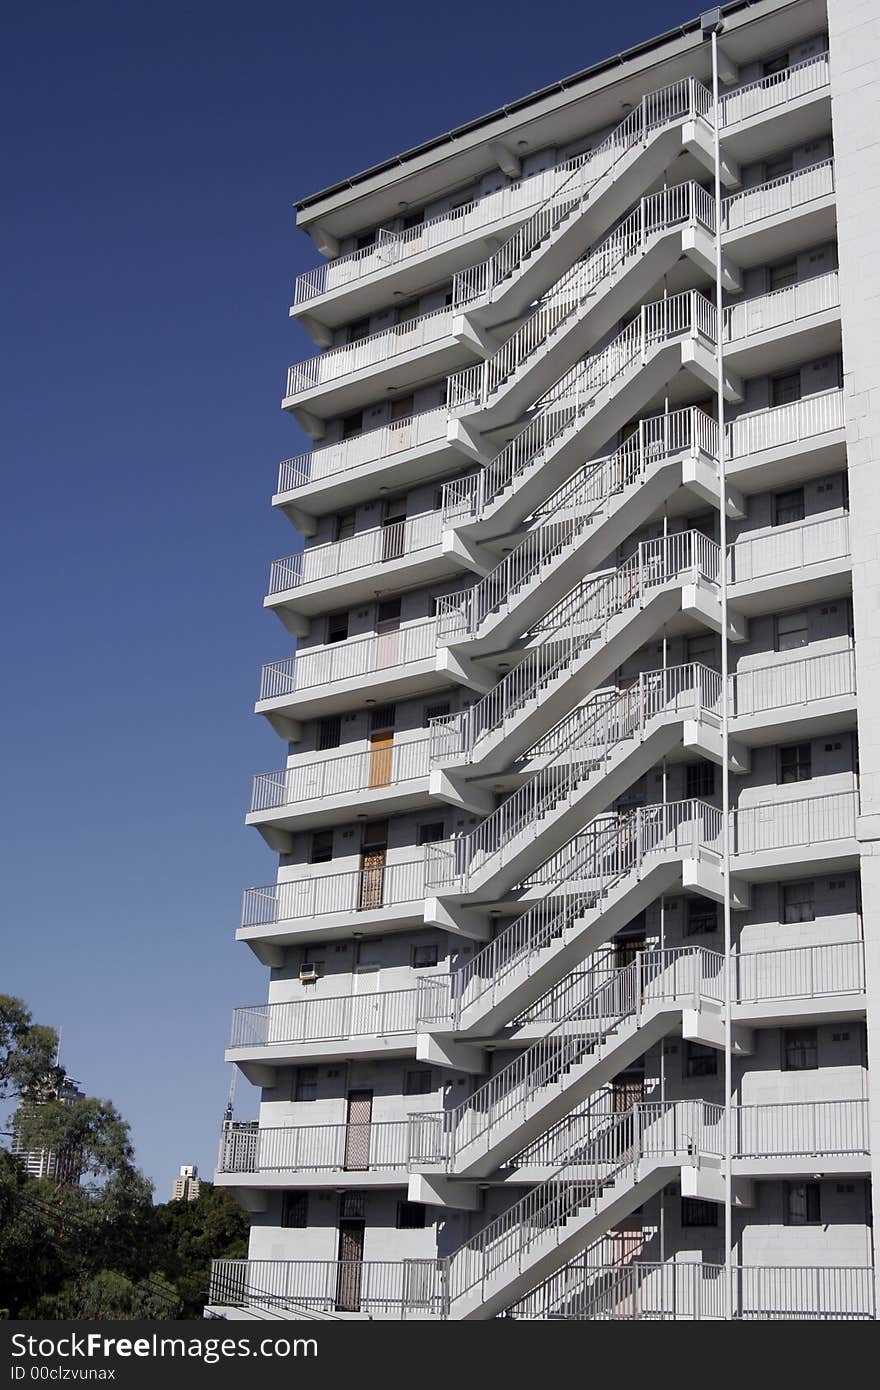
725 761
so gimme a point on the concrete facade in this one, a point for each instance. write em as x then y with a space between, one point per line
511 1061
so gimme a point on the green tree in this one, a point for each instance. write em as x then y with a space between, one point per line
27 1053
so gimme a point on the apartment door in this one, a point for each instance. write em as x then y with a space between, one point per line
400 425
626 1092
357 1131
350 1268
393 533
381 753
374 848
388 630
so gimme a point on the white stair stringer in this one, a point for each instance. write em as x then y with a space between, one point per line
579 528
658 993
577 648
622 1161
585 304
599 190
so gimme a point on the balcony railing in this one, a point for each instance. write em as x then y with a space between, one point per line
326 1018
357 656
398 1288
378 546
372 770
785 424
811 820
356 1147
797 682
806 1128
353 890
799 80
372 351
788 305
778 196
410 432
789 548
799 972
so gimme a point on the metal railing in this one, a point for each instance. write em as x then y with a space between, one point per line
810 75
326 1018
788 305
373 350
577 625
572 511
378 546
665 320
395 437
596 731
799 972
383 1287
789 548
687 204
804 1128
778 196
353 890
356 656
785 424
809 820
801 681
321 778
683 100
357 1147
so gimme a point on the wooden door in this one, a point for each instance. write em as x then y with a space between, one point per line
400 428
357 1131
350 1268
381 753
388 629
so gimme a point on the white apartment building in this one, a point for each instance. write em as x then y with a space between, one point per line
572 948
185 1188
62 1165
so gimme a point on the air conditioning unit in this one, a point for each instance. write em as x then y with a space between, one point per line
308 973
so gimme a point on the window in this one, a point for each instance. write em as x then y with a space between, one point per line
697 1213
783 275
774 65
352 424
700 1060
702 917
388 614
432 832
375 835
795 763
425 956
777 168
343 529
699 779
337 627
382 717
800 1049
329 733
418 1083
788 506
802 1204
295 1210
359 330
799 901
785 390
410 1216
306 1083
792 630
412 219
402 408
439 711
364 240
321 848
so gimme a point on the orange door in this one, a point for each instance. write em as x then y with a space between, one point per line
381 746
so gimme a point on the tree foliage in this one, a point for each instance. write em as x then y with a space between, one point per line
101 1249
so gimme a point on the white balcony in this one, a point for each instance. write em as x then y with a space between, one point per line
344 378
325 1027
786 443
809 695
803 561
797 100
785 835
373 1153
802 321
335 678
343 573
779 217
321 790
326 906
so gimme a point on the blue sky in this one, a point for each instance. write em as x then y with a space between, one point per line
150 253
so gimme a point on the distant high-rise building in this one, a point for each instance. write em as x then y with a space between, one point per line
64 1165
186 1187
